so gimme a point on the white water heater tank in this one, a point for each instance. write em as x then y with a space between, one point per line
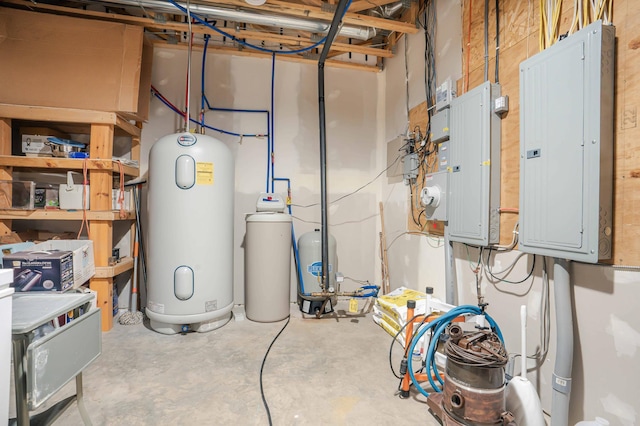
189 234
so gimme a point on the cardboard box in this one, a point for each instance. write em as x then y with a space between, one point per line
41 270
83 263
60 61
144 94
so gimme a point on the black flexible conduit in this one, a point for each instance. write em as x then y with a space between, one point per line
335 26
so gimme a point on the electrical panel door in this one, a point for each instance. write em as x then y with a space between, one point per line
474 166
566 147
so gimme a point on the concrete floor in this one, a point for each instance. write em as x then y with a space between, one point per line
332 371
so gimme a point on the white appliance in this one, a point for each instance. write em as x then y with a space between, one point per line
190 234
6 292
310 258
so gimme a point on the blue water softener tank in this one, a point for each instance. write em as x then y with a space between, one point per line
190 234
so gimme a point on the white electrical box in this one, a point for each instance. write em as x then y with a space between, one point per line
566 147
434 195
445 93
270 202
474 166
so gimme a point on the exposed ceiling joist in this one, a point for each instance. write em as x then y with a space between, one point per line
300 42
305 11
287 58
360 5
170 30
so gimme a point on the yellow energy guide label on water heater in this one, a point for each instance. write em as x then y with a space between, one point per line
204 173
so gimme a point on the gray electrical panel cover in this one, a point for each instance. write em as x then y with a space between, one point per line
474 166
440 126
566 147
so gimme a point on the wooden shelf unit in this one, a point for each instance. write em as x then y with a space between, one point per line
102 127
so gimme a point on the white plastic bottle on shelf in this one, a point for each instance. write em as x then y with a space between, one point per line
599 421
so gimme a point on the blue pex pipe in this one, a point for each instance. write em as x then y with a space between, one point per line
293 237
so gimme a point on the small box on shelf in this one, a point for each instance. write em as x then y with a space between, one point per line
46 196
17 194
83 261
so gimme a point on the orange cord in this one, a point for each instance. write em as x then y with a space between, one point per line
123 212
509 210
85 183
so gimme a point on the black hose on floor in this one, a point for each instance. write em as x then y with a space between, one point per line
264 400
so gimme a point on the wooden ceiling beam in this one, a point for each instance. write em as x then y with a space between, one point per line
297 41
310 12
360 5
199 29
275 6
288 58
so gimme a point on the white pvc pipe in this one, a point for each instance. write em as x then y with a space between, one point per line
523 341
449 270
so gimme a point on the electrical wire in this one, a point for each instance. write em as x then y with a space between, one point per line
406 79
249 45
497 76
264 360
141 246
426 234
492 275
486 40
467 65
395 340
427 19
363 282
353 192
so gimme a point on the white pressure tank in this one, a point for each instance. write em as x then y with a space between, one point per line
310 256
190 234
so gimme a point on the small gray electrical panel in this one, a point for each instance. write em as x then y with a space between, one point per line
566 147
434 195
474 165
411 166
440 126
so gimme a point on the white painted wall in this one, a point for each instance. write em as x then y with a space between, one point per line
352 114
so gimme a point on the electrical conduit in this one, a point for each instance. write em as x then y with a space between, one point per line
561 383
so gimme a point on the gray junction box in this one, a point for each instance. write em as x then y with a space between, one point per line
566 147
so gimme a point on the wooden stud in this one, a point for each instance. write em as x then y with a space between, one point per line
104 289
